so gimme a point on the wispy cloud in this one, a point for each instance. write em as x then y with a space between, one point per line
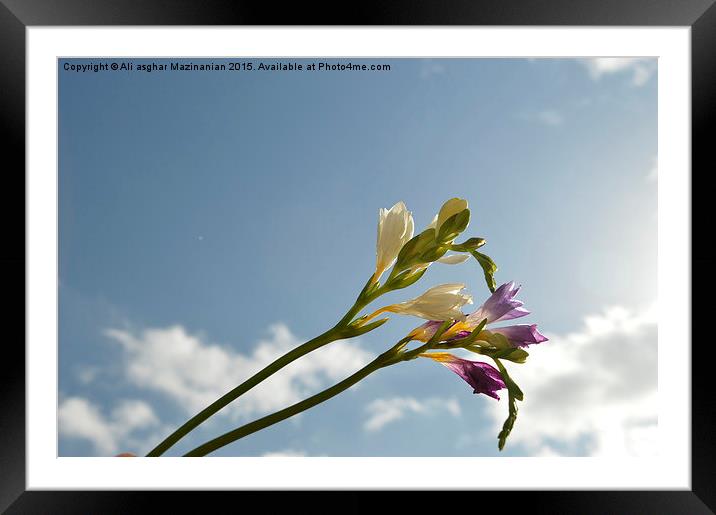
382 412
286 453
596 387
87 374
193 372
549 117
80 418
641 69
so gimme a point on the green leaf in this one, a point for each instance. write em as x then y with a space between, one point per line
488 267
514 394
468 245
453 226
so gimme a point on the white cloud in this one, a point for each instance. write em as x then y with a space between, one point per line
193 372
596 387
382 412
286 453
87 374
641 69
80 418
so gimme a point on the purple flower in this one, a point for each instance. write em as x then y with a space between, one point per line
500 306
521 335
482 377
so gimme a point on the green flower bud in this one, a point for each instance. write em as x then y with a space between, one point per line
468 245
488 268
498 341
433 254
405 278
409 255
453 226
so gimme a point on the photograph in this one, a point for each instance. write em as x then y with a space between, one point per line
357 257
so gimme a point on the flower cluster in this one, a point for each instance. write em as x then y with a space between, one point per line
500 306
406 257
447 327
411 256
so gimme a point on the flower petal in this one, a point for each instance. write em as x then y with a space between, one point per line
395 228
483 377
434 223
521 335
454 259
501 305
443 302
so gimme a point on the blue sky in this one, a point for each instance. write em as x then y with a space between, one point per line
204 215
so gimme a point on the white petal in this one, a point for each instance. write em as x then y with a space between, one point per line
454 259
399 207
409 229
451 288
434 223
394 225
442 302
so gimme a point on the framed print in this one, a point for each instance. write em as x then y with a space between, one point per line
203 188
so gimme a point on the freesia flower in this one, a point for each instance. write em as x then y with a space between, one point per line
483 377
441 302
395 228
500 306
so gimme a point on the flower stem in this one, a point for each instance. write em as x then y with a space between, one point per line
333 334
244 387
269 420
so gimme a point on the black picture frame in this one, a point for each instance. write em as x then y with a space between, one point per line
16 15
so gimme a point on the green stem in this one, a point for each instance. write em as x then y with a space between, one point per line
333 334
269 420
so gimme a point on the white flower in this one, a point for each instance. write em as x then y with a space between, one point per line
395 228
443 302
